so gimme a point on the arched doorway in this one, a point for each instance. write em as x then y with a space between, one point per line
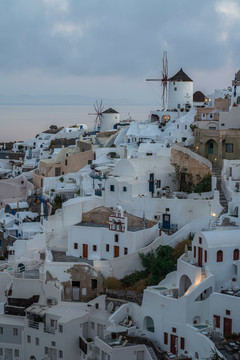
211 150
148 324
184 284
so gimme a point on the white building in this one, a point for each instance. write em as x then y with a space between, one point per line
109 118
180 92
101 242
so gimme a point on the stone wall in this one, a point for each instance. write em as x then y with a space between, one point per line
100 216
188 162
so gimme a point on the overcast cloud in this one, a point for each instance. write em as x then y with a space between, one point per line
108 47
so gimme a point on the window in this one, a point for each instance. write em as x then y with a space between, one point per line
229 148
1 352
125 251
111 187
92 325
178 106
36 341
66 162
236 254
52 323
177 126
174 330
158 184
219 256
185 127
182 343
29 339
94 284
15 331
116 238
216 319
175 89
124 189
205 256
107 247
75 246
1 330
53 343
46 350
228 312
94 247
200 240
194 251
165 338
60 353
16 353
60 328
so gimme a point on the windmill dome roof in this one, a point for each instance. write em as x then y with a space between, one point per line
110 111
198 96
238 75
180 76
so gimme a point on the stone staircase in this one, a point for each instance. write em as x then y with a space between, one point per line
152 353
217 173
203 274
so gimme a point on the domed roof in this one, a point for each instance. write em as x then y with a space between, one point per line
180 76
110 111
238 75
198 96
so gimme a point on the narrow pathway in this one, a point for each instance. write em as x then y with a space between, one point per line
217 173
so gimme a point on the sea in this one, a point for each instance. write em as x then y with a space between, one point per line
22 122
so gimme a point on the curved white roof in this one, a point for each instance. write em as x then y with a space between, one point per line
139 167
222 238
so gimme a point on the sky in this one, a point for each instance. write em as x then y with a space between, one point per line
108 48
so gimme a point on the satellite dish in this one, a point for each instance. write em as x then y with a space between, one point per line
110 306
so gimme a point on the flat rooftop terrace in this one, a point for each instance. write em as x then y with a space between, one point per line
92 224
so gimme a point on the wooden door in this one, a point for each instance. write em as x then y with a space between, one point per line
116 251
85 250
227 326
200 256
174 339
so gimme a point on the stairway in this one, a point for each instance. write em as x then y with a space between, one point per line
217 173
152 353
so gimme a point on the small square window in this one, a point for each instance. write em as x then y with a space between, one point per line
16 353
229 148
29 339
175 89
174 330
60 328
228 312
111 187
15 331
53 343
75 246
94 284
94 247
125 251
52 323
116 237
